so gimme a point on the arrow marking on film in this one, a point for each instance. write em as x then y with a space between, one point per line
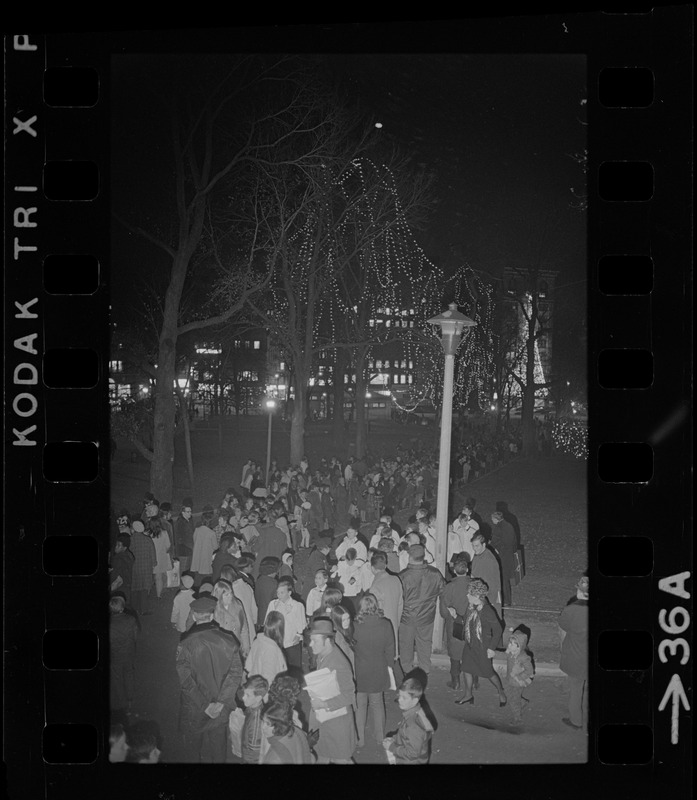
677 692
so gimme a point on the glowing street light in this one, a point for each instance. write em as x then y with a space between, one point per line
452 325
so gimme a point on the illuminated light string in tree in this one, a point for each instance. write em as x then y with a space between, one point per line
571 437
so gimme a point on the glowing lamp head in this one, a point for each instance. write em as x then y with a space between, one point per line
270 404
452 324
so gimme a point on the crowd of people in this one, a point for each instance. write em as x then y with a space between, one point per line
254 632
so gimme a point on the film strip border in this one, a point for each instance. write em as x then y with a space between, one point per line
56 425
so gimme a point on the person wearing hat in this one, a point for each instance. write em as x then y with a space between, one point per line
503 540
181 605
453 606
205 544
482 636
144 560
335 717
422 586
184 534
573 629
210 672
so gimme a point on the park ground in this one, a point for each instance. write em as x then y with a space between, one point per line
549 498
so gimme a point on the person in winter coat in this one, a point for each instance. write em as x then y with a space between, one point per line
163 561
121 567
271 542
573 626
388 591
227 554
315 561
229 614
287 744
205 544
210 672
482 636
123 632
255 691
243 589
453 606
286 569
486 566
184 534
503 540
265 587
519 673
374 654
337 734
422 586
145 558
181 605
266 657
411 744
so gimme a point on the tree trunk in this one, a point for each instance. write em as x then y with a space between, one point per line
161 479
338 426
360 405
184 406
297 426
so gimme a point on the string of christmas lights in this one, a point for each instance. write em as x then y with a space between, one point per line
571 437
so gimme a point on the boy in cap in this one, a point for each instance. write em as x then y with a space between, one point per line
411 744
519 673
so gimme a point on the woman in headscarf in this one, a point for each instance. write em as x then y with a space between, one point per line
482 635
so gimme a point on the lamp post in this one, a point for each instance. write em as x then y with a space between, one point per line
270 405
452 324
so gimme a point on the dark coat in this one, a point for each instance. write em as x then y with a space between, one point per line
574 649
183 536
454 595
209 666
316 560
122 566
221 559
412 742
264 593
374 652
422 585
475 660
504 541
143 549
487 567
271 542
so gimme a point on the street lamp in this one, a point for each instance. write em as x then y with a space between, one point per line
452 325
270 405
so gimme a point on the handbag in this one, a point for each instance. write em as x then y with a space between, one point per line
459 628
173 578
518 567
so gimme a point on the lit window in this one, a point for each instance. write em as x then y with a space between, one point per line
410 379
257 344
371 322
371 364
116 366
387 323
411 323
404 363
320 381
411 364
378 363
402 378
282 366
387 364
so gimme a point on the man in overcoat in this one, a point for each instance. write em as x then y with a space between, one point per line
486 566
388 592
337 734
210 670
145 558
573 626
503 540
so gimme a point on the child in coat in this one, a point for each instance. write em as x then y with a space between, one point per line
181 603
519 673
411 744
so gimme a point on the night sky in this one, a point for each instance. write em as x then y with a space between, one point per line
496 130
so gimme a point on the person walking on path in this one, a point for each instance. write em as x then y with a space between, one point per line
422 586
519 673
486 566
145 558
210 673
503 541
482 636
334 718
374 654
573 627
453 607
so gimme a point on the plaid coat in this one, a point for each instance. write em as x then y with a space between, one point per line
143 549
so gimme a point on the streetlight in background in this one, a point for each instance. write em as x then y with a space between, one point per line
270 405
452 325
368 396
